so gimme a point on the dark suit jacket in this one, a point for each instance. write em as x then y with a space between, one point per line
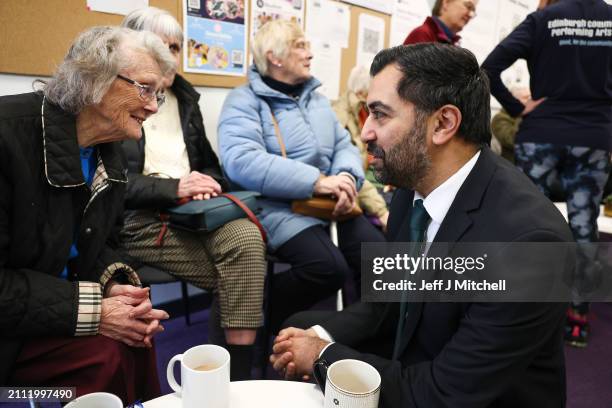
468 354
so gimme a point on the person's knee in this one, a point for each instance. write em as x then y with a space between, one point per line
331 270
241 238
250 236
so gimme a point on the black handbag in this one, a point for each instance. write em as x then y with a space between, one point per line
208 215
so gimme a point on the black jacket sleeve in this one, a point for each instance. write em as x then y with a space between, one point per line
150 192
145 191
361 322
515 46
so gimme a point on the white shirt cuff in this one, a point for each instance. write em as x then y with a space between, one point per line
322 333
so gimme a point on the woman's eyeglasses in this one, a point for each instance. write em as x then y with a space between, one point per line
146 92
302 45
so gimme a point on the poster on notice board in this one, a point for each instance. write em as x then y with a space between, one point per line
215 37
268 10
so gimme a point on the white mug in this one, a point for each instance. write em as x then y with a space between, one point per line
96 400
349 383
205 377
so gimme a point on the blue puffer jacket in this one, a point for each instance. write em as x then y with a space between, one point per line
251 155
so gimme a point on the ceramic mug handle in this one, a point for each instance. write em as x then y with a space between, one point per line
170 373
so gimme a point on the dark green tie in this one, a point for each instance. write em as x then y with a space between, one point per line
419 219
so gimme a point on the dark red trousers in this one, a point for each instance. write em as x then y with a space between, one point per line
91 364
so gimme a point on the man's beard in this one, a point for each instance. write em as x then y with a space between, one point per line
407 163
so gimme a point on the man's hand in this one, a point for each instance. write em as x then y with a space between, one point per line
289 332
283 360
198 186
296 356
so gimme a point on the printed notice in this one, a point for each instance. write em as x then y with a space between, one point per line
215 37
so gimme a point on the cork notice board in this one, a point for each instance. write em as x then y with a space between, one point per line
36 34
349 55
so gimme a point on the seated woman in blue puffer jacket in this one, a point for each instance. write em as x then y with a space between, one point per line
320 159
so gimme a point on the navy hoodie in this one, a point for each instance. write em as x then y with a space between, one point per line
568 48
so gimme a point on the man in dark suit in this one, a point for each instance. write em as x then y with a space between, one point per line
428 131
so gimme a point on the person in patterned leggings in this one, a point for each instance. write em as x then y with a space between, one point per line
566 128
582 173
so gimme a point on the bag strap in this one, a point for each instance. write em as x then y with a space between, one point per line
249 214
278 135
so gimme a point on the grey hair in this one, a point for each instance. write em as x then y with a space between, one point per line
359 79
156 20
94 60
275 36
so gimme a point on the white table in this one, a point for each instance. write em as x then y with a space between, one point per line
603 223
262 393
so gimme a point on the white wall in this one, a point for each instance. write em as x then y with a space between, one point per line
211 100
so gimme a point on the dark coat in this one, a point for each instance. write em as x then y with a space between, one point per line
43 201
468 354
152 192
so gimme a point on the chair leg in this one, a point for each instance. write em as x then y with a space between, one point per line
186 303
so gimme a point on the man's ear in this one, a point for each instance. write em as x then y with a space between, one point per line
446 124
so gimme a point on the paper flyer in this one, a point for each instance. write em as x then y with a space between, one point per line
325 66
122 7
215 37
329 21
370 39
384 6
407 15
267 10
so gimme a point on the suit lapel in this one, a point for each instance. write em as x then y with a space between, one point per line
454 226
399 218
451 232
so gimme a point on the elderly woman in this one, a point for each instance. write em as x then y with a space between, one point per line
174 159
320 159
72 312
448 18
351 111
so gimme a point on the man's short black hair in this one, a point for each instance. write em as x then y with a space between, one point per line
438 74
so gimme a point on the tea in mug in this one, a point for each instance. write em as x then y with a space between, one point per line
206 367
